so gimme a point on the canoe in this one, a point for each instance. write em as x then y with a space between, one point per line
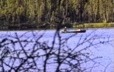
74 31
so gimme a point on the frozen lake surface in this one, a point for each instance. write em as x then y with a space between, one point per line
104 51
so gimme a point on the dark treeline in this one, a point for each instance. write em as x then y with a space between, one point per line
53 12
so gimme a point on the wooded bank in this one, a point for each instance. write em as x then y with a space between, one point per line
50 13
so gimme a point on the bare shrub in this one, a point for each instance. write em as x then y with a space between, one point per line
23 53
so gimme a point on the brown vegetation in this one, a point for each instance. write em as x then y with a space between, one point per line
52 12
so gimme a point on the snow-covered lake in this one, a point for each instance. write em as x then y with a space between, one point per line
104 51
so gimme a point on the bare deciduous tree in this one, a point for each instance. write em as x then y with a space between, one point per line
23 53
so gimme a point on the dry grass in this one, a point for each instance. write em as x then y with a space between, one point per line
94 25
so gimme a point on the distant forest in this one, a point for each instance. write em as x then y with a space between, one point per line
52 12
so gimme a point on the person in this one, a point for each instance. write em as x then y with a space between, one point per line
65 29
78 29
